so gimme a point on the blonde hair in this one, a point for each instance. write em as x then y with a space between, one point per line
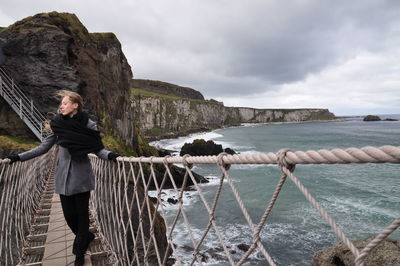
73 97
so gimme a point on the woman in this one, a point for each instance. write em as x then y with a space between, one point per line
76 136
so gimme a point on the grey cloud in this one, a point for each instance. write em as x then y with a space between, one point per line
234 48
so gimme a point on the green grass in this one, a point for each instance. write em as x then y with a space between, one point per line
155 131
103 36
146 93
116 145
16 143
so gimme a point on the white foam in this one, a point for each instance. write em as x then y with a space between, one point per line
176 144
188 198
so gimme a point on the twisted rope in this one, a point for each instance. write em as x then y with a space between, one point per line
384 154
145 246
21 187
22 184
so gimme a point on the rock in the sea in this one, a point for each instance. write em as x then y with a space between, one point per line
243 247
390 119
172 200
201 147
372 118
387 253
229 151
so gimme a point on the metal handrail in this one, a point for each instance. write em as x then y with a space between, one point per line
20 93
22 105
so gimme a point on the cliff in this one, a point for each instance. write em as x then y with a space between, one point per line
166 88
165 116
52 51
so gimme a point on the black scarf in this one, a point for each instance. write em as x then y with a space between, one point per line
73 134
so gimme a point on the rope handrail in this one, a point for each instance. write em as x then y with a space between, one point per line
137 229
21 188
383 154
121 203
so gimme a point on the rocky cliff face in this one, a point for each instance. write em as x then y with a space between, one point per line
166 116
53 51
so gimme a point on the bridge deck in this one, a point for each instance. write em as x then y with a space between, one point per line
58 247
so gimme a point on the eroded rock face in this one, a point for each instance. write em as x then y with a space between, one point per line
53 51
11 123
161 115
387 253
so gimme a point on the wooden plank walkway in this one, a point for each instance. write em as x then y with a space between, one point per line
58 246
50 239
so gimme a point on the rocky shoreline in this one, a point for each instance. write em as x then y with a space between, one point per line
175 135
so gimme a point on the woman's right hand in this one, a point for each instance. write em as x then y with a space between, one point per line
13 158
112 156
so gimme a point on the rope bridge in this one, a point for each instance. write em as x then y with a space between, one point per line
137 228
22 187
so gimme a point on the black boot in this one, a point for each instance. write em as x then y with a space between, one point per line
79 260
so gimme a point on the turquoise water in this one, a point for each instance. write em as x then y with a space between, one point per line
361 198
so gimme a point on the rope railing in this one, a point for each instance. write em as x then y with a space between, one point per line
138 228
21 188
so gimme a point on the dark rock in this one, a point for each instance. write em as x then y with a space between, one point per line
372 118
159 227
153 199
191 188
177 173
172 200
243 247
217 254
187 248
164 152
166 88
11 124
53 51
390 119
387 253
200 147
171 261
204 257
229 151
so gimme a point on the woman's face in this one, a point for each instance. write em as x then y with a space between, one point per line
67 107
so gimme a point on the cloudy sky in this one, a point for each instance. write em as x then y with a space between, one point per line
342 55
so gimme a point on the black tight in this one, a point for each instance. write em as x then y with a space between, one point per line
76 213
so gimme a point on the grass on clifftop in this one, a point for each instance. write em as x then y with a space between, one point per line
146 93
116 145
15 143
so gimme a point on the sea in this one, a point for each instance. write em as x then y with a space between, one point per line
362 198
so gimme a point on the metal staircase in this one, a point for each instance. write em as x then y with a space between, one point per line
22 105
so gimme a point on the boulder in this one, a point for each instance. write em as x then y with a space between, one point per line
387 253
372 118
200 147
